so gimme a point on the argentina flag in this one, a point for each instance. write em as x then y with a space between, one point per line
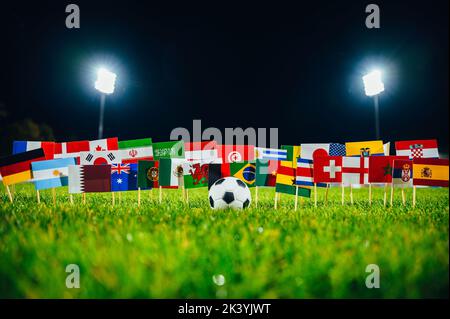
52 173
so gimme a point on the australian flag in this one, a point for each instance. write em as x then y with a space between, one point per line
123 177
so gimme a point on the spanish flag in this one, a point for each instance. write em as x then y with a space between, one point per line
430 172
286 183
17 168
366 148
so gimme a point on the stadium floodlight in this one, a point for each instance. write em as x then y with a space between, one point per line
105 84
373 85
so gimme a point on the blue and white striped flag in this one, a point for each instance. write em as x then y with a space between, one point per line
305 173
52 173
270 154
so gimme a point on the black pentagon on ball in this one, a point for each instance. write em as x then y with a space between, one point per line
211 201
240 183
219 181
246 203
228 197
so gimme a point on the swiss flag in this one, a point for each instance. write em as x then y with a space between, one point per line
327 169
236 153
380 168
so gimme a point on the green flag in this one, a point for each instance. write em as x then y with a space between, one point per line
148 174
171 171
195 174
266 172
173 149
135 150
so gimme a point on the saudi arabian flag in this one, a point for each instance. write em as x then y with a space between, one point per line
195 174
266 172
148 174
285 182
173 149
171 171
136 150
293 152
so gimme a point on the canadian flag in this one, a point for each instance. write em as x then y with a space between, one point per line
73 149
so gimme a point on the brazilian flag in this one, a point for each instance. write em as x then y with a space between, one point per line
245 171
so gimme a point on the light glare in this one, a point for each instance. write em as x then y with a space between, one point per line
105 81
373 84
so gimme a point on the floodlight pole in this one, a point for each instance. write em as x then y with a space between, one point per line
377 117
102 110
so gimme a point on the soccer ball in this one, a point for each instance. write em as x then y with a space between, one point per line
229 192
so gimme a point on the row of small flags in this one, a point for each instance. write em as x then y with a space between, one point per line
110 165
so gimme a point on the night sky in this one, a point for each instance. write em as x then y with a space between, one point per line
292 65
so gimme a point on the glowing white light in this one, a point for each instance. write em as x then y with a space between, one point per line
105 81
373 84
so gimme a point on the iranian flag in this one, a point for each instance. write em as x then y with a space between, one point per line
133 151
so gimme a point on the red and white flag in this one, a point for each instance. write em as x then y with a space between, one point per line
73 149
327 169
417 148
201 151
355 170
235 153
100 158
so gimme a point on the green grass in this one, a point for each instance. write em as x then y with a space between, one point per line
171 250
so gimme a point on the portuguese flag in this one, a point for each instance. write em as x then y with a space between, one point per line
285 182
266 172
148 174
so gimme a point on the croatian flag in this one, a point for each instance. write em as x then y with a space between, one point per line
25 146
271 154
52 173
417 148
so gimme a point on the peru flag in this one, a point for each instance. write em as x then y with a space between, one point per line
417 148
236 153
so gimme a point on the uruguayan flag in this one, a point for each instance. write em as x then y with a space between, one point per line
270 154
51 173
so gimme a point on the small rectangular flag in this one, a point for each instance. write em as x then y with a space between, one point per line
266 172
195 174
100 157
106 144
236 153
430 172
271 154
380 168
16 168
285 182
364 149
24 146
217 171
305 173
173 149
402 173
293 152
331 149
245 171
417 148
171 172
148 174
89 178
124 177
327 169
205 151
355 170
71 149
51 173
133 151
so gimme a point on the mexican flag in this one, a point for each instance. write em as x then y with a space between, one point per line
136 150
148 174
195 174
285 182
174 149
266 172
171 171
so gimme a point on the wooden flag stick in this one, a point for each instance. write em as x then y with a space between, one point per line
183 191
370 194
84 198
351 194
113 198
139 196
296 197
54 196
385 194
276 201
326 193
392 194
71 198
160 194
38 196
120 198
414 196
256 196
187 196
9 193
315 194
403 197
342 193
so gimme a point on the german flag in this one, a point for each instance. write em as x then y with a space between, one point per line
430 172
17 168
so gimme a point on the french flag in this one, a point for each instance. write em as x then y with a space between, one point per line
25 146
